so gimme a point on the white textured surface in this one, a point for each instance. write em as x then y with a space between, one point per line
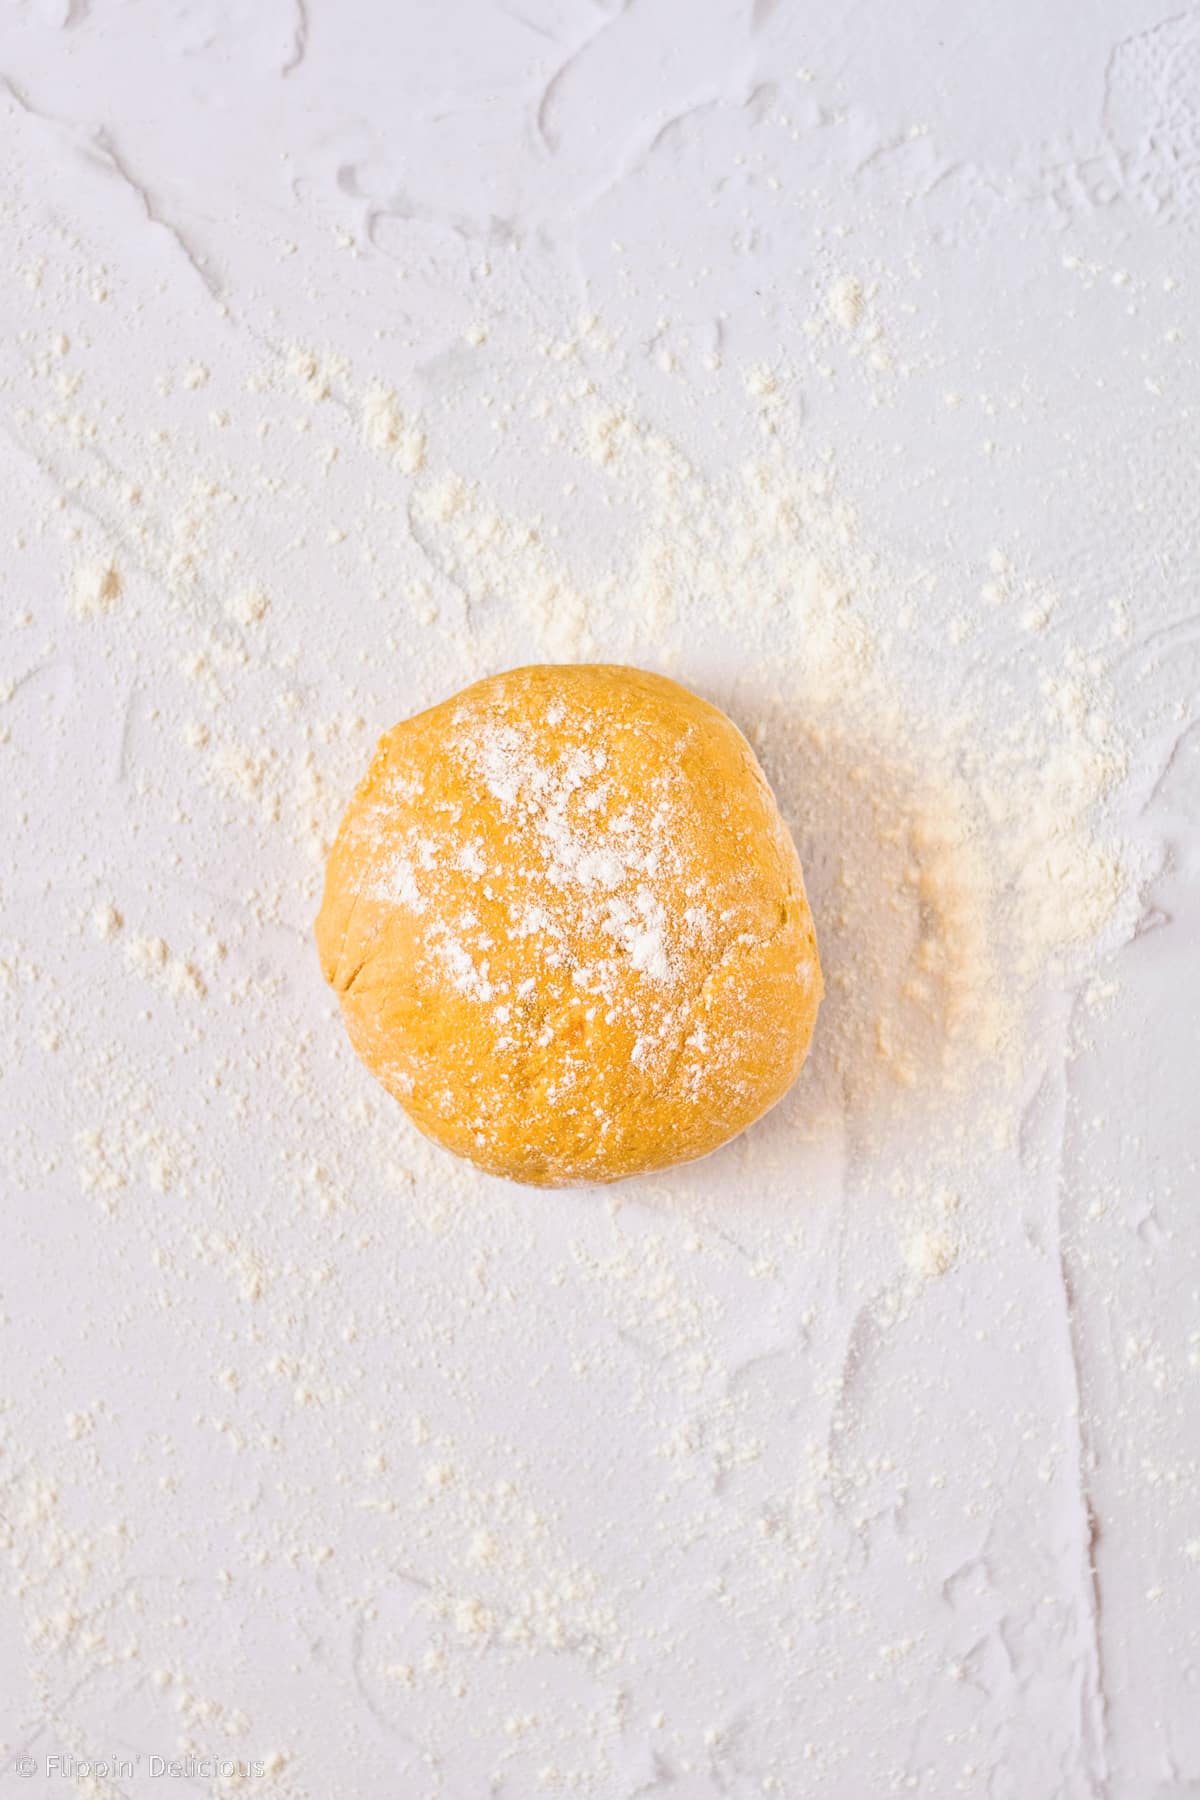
864 1458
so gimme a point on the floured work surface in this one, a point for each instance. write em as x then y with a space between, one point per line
847 374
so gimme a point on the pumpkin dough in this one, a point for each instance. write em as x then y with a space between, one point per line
568 928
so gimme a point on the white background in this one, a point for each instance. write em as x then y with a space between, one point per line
863 1458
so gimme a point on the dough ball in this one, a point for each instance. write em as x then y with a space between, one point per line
567 926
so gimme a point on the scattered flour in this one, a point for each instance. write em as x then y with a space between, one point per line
248 606
96 589
844 302
106 921
391 432
930 1254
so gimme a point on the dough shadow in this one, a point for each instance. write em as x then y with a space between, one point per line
900 892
